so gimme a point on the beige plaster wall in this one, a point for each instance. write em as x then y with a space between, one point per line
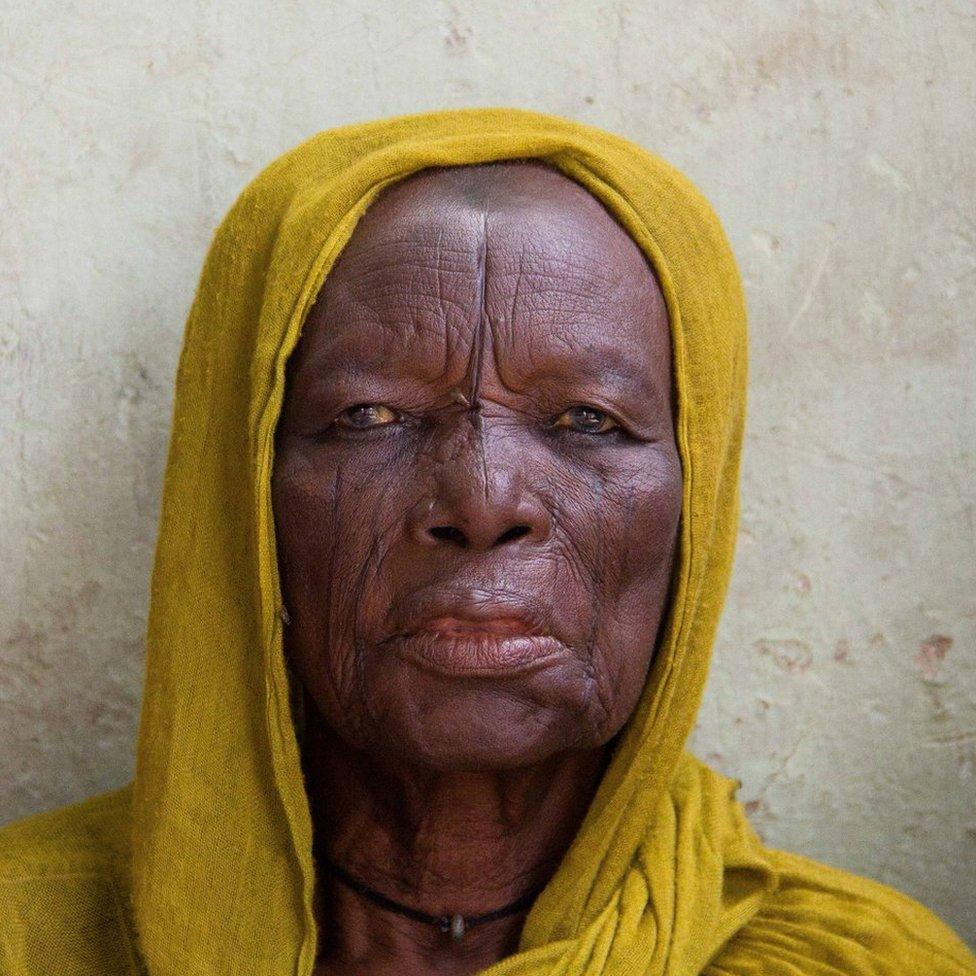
836 140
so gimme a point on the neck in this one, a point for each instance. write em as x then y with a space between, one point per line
441 842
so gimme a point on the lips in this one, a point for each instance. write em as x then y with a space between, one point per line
454 626
470 611
471 633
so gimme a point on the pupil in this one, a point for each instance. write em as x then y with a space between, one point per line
360 412
590 417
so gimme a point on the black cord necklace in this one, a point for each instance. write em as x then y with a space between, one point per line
456 924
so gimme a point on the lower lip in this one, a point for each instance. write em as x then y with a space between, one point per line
479 653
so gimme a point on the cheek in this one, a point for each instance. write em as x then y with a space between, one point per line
639 517
620 521
651 511
329 521
307 507
331 515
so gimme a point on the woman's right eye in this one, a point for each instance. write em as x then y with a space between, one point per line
363 416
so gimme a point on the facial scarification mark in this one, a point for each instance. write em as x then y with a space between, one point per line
370 572
480 332
592 644
335 506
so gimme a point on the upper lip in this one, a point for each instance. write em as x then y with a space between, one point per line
494 611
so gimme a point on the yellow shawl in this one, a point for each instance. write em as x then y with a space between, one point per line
202 865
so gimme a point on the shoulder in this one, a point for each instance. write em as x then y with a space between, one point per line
91 831
64 892
826 921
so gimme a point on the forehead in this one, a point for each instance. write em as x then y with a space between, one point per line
519 244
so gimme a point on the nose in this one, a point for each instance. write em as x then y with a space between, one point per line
481 500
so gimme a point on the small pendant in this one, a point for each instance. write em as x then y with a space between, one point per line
457 927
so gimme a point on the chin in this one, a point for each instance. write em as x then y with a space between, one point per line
471 730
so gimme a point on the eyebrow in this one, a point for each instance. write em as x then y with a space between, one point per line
602 366
597 363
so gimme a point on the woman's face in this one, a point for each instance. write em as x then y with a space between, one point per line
476 487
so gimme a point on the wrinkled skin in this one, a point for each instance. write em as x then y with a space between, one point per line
477 424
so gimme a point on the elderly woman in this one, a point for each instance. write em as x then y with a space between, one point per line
448 517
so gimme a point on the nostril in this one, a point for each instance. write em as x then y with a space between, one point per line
516 532
448 532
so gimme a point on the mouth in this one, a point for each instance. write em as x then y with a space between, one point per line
450 626
478 653
476 634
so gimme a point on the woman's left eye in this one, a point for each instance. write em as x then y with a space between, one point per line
362 416
587 420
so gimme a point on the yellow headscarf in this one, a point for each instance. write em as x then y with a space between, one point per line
664 876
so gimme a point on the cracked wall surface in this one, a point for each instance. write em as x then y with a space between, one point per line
836 141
